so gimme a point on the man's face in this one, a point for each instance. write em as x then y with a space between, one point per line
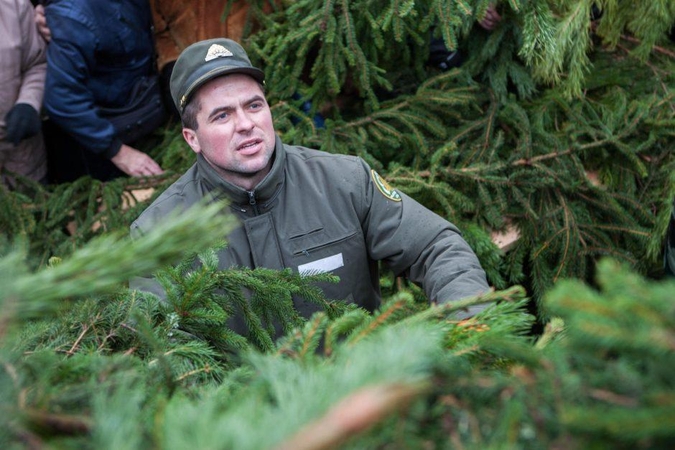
235 133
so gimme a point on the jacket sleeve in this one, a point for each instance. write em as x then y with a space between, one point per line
147 282
33 60
419 244
68 100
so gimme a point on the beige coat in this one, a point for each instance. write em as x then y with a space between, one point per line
22 76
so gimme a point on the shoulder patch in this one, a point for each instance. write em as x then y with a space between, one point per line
384 187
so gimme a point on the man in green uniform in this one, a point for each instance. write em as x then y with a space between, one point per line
299 208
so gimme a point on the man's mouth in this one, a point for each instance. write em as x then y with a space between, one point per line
249 147
248 144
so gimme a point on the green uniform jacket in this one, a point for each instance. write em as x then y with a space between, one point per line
319 212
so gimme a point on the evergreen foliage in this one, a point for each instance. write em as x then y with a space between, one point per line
407 376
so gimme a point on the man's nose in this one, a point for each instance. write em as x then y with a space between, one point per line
244 121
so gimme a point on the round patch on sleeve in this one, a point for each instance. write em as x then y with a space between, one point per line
384 187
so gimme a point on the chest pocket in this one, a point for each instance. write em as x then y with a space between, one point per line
317 251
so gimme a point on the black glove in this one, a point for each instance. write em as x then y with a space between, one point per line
22 121
441 57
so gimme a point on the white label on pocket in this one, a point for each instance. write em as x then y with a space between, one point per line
322 265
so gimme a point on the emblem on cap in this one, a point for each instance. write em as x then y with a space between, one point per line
217 51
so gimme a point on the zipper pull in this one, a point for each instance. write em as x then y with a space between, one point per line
251 198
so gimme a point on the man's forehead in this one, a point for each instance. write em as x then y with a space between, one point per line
225 96
246 84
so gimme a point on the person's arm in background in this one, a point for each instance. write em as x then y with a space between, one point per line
23 119
69 102
491 19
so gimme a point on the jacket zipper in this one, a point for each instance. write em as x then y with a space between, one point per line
252 202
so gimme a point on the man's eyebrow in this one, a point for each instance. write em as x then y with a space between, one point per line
256 98
219 109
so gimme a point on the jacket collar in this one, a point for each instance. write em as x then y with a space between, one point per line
265 191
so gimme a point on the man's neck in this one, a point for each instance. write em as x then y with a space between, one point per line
246 181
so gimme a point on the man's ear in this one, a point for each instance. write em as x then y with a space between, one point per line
191 138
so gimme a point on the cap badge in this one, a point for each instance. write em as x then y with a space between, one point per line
217 51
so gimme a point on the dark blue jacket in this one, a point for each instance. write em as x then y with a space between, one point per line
98 50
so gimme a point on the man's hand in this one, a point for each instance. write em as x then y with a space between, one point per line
135 163
41 23
491 19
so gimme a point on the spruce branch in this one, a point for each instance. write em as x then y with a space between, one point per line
444 310
57 424
355 414
388 312
655 48
342 326
313 334
88 272
552 331
85 328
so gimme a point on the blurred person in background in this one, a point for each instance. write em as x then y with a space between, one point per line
98 52
22 77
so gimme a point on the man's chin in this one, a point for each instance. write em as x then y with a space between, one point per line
254 168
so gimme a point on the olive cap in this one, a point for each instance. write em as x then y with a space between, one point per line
204 61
